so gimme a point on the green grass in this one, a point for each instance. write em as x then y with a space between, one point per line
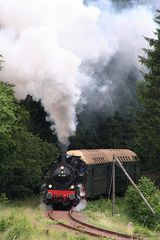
24 220
99 213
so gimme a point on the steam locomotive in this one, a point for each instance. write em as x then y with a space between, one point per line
87 173
64 181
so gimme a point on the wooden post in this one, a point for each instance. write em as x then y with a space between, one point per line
138 190
113 187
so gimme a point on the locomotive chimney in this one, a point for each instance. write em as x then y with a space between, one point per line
63 152
63 157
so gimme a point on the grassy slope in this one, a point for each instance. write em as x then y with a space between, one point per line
26 221
99 213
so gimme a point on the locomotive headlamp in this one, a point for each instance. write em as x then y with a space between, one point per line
62 167
50 185
72 187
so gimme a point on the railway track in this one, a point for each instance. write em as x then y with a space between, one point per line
68 220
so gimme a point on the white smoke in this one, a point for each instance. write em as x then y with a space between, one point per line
81 206
83 203
45 42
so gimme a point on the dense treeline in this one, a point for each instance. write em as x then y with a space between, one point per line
24 157
148 127
104 130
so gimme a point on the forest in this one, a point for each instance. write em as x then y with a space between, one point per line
28 146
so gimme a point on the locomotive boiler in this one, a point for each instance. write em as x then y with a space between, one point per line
87 173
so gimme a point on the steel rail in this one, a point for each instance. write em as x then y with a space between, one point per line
121 235
89 229
73 228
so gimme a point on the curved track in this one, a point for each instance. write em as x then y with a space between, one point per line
69 219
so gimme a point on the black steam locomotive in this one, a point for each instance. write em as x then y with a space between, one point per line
64 181
87 173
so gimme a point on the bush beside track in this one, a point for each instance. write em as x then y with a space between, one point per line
99 212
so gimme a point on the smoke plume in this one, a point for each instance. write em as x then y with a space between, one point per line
81 206
52 47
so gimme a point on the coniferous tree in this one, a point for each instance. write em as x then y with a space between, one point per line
148 131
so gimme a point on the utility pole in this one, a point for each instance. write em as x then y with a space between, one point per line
113 187
130 179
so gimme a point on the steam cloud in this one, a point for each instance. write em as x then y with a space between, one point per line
81 206
50 46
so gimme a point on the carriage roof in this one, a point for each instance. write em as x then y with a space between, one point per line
99 156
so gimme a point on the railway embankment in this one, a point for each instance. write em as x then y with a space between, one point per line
26 220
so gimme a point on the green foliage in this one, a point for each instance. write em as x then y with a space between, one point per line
142 231
3 199
102 205
148 127
15 226
11 113
99 130
24 157
23 169
136 206
38 123
83 237
28 222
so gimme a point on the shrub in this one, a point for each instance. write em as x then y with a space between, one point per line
142 231
15 226
102 205
3 199
136 206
